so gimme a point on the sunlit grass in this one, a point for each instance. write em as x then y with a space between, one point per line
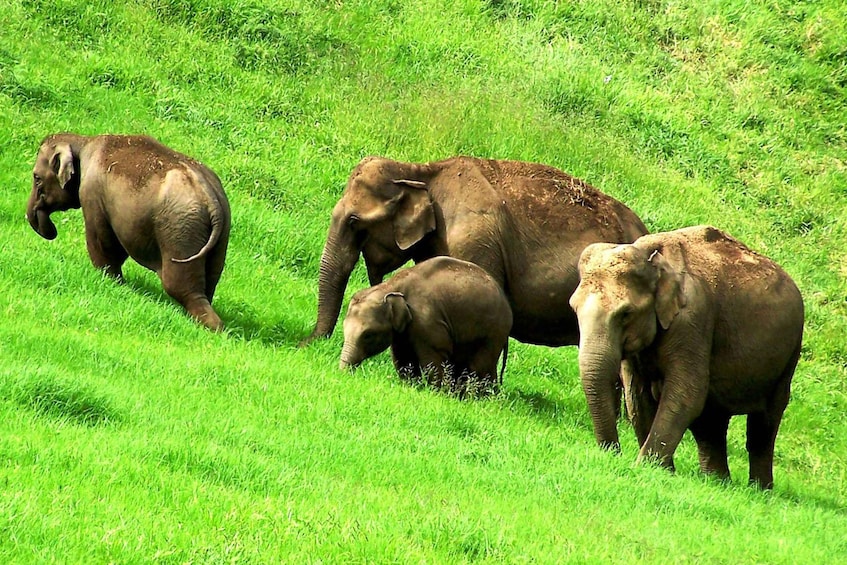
130 434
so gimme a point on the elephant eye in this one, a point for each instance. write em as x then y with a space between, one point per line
372 340
353 220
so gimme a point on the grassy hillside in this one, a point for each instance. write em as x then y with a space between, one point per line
128 434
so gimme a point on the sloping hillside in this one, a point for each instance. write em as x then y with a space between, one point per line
129 434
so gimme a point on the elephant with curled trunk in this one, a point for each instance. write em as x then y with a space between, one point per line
701 328
139 199
524 223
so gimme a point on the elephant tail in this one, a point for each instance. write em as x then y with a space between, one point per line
217 221
503 363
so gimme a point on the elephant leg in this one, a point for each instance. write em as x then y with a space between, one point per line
709 431
405 360
214 267
641 405
682 400
761 436
104 249
483 366
463 381
763 427
434 365
185 283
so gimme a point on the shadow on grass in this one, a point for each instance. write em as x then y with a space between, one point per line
239 318
793 497
246 325
245 471
64 400
150 287
780 494
464 386
537 404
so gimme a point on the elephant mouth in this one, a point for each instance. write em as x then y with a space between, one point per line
43 225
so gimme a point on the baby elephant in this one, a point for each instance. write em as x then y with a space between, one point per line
139 199
441 313
701 328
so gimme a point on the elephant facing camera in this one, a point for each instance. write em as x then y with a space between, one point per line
698 328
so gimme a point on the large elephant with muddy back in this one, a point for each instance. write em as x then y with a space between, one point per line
524 223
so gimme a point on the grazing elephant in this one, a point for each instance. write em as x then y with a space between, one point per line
705 328
441 312
524 223
139 199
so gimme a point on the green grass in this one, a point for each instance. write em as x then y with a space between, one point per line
130 435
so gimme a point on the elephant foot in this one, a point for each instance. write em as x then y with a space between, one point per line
649 458
613 446
208 317
478 383
763 484
213 322
482 389
716 471
306 341
115 274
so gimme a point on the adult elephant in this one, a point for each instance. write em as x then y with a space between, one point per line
524 223
701 328
139 199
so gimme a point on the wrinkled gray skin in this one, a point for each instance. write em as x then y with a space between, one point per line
139 199
702 329
524 223
441 311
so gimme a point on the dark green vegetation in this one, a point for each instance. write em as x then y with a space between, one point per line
129 434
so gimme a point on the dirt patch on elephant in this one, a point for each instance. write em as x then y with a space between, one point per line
712 235
140 157
719 258
552 199
736 256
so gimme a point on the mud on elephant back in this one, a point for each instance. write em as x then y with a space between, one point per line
700 328
139 199
524 223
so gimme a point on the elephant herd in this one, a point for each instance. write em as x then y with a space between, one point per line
691 324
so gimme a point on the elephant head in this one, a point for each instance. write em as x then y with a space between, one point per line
385 210
372 319
625 295
55 185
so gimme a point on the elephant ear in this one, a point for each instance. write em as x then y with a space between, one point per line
62 163
670 290
399 310
414 217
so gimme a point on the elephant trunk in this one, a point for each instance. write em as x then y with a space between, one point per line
39 218
349 358
338 259
599 368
